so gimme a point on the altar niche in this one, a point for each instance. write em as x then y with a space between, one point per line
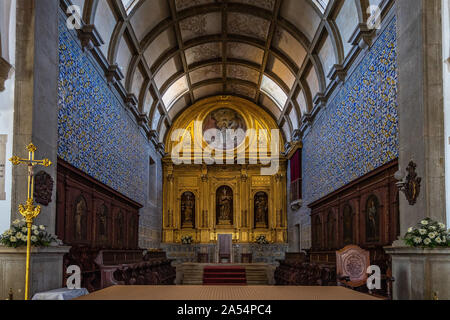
372 219
261 207
188 210
236 196
224 206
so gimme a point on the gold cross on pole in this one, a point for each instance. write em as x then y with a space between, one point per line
29 211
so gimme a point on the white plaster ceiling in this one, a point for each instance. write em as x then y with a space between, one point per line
276 53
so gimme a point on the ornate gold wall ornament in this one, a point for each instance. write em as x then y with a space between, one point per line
243 177
204 175
278 177
411 186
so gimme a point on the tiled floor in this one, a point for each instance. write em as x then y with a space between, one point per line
226 293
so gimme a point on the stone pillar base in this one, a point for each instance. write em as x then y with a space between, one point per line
420 273
46 270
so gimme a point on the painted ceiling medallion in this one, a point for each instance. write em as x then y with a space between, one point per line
229 124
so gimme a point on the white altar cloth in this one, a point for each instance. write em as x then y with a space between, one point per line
61 294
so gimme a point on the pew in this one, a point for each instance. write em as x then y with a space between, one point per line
301 273
132 267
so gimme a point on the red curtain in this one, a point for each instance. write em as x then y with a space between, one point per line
296 166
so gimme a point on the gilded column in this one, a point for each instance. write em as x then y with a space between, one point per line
244 220
171 225
205 223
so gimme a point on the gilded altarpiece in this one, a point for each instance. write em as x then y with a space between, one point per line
235 197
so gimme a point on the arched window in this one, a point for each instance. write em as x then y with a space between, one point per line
129 4
321 4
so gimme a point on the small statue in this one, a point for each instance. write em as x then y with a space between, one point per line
225 204
261 208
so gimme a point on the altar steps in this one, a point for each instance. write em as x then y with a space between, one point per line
224 276
255 273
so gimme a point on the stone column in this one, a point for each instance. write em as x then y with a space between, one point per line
36 97
421 108
421 140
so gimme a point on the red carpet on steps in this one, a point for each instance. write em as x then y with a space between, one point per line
224 276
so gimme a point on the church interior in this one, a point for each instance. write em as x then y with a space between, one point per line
225 149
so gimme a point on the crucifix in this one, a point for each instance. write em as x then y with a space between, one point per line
29 211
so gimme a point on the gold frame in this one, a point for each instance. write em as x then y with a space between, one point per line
204 180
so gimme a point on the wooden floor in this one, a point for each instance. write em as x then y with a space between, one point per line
230 293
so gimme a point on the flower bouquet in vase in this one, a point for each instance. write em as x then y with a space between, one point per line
16 236
187 240
428 234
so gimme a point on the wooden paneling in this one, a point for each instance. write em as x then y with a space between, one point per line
328 223
106 219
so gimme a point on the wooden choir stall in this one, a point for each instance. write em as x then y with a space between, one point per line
102 226
364 213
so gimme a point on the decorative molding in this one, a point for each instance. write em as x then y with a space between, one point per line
132 103
338 73
362 36
160 148
90 37
291 148
43 188
319 102
296 205
5 68
114 74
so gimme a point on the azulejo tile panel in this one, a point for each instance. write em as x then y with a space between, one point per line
96 134
358 130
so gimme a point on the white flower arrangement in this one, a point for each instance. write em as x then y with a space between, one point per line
17 236
187 240
428 234
262 240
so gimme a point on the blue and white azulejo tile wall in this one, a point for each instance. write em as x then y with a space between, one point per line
358 130
96 133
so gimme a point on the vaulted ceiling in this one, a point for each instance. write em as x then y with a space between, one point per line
280 54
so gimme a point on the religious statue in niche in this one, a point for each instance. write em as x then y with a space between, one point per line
331 234
132 230
348 224
229 124
119 228
43 188
372 220
80 219
261 209
102 221
224 205
317 236
187 210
